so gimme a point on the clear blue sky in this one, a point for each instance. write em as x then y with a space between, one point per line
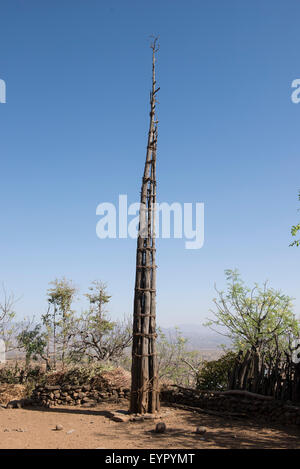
73 135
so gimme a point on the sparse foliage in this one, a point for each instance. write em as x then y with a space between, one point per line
253 318
295 230
97 337
175 362
61 320
7 315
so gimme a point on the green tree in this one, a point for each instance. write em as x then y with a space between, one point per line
47 322
33 342
253 317
60 297
295 230
97 337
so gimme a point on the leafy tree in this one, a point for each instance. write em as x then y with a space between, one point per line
97 337
47 323
98 298
60 297
253 317
295 230
34 343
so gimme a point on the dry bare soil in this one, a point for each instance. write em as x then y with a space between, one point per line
90 428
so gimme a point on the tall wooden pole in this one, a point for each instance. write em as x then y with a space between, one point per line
144 373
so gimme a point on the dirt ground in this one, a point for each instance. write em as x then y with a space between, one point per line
92 429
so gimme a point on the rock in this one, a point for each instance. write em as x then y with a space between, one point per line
70 431
88 405
66 387
137 418
200 430
160 427
58 428
16 404
76 388
49 387
119 416
88 402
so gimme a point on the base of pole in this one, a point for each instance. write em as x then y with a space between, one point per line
126 416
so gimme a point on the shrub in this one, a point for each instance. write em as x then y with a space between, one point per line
214 375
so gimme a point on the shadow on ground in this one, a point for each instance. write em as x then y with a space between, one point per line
181 430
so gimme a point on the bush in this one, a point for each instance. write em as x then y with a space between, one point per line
76 375
20 374
214 375
10 374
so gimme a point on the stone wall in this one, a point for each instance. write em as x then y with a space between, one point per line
51 395
251 407
225 404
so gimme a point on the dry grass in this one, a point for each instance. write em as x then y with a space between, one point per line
117 378
10 392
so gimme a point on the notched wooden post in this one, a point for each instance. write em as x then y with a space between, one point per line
144 377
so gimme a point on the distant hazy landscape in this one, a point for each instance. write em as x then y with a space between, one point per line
200 338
